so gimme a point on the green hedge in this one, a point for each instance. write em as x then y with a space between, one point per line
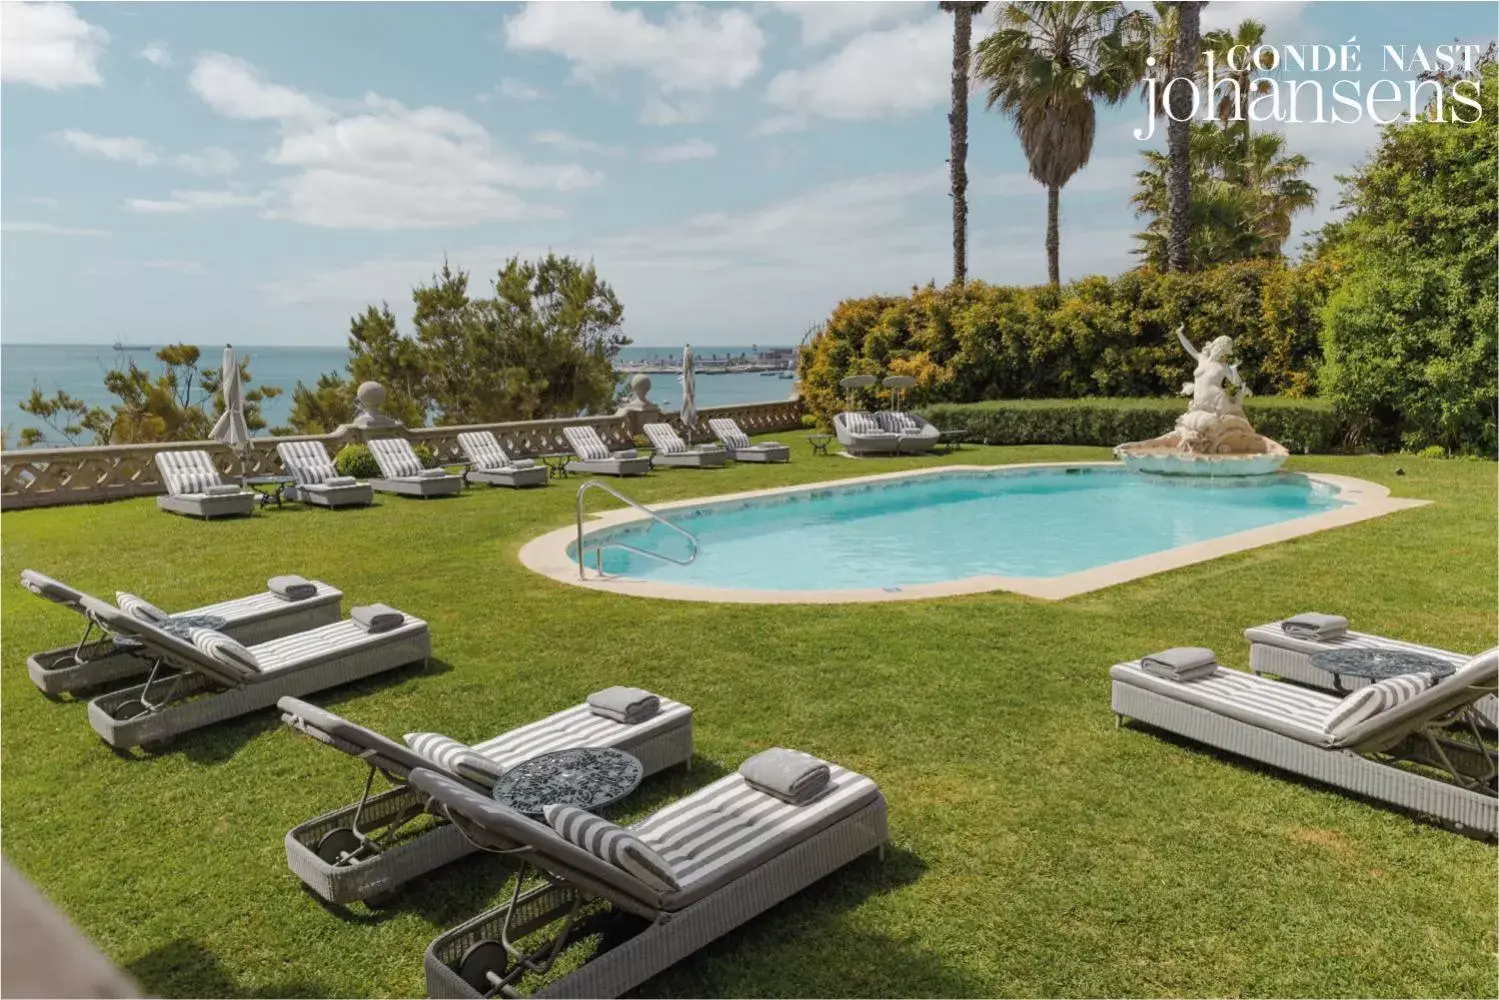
1302 425
355 460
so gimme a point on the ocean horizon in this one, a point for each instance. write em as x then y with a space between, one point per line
79 370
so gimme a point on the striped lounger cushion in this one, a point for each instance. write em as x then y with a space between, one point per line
729 433
307 462
1285 708
577 727
396 458
140 609
611 843
454 757
484 450
727 828
292 651
665 440
1367 702
587 443
897 421
187 472
861 423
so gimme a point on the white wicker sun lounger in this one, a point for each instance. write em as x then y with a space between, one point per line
489 463
1272 651
739 446
195 488
88 664
915 434
206 690
318 481
594 456
403 474
359 851
734 850
672 450
1281 725
861 434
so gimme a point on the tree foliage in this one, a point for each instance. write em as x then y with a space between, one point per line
541 345
179 402
1409 333
1246 191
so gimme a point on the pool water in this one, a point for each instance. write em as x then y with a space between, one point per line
951 526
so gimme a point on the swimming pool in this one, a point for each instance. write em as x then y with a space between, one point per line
1046 530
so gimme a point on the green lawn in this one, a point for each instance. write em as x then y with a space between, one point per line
1037 850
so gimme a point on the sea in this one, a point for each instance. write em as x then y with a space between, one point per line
79 369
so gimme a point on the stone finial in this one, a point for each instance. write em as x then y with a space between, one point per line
638 410
371 396
640 387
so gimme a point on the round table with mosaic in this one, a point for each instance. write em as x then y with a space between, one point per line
1378 664
180 626
586 777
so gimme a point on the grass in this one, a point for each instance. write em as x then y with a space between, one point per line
1037 850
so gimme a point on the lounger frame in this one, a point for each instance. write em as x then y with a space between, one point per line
425 488
209 506
1271 651
57 671
670 936
516 478
637 465
409 857
333 497
191 700
1375 776
482 446
755 452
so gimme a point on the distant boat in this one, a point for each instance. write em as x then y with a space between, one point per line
129 347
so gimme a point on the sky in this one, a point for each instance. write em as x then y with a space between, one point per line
258 172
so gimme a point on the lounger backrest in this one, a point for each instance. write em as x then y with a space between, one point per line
396 458
484 450
43 585
897 422
366 743
665 440
587 443
859 422
177 651
727 431
548 850
187 471
1478 677
307 462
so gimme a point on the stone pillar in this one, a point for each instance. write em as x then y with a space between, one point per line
638 410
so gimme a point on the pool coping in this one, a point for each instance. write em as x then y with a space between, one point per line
548 556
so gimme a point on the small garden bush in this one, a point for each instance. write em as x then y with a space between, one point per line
1302 425
355 460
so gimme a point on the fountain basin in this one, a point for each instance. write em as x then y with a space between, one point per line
1166 460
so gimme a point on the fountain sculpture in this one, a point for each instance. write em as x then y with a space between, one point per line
1212 438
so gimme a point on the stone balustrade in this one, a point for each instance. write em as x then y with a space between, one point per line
44 477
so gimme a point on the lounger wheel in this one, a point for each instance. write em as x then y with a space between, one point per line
483 966
127 710
335 845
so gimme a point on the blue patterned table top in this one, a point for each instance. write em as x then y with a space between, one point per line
1380 664
586 777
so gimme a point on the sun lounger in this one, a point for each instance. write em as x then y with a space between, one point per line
88 664
358 852
488 462
739 447
403 474
672 450
1273 651
861 434
594 456
734 852
211 688
915 434
1285 726
318 481
195 488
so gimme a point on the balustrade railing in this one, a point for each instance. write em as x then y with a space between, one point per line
43 477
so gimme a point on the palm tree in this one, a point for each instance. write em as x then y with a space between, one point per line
1245 191
957 123
1046 65
1233 103
1179 135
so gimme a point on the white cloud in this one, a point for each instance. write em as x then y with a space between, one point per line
690 49
184 266
49 229
511 90
182 202
143 153
679 111
377 164
233 88
691 149
157 54
890 71
572 144
825 22
782 124
44 201
48 45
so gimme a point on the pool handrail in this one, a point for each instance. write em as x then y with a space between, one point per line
600 546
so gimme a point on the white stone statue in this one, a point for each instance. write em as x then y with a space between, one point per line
1213 426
